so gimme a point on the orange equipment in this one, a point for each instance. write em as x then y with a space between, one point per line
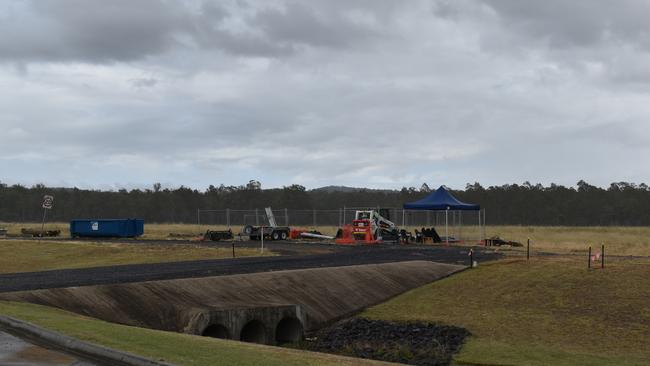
360 232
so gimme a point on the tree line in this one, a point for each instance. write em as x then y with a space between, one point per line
621 203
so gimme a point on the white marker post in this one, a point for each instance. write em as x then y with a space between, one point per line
48 203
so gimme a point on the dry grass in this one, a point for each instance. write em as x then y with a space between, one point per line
625 241
545 312
31 255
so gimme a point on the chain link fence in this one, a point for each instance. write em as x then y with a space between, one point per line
462 225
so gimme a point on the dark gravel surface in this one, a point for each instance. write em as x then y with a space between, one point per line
329 256
411 343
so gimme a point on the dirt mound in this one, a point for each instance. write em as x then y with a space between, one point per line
409 343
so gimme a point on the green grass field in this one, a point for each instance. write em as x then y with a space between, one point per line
180 349
545 312
31 255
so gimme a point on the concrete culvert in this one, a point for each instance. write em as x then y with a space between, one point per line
217 331
253 332
289 330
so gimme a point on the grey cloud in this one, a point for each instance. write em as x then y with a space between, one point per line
577 23
123 30
144 82
95 31
304 24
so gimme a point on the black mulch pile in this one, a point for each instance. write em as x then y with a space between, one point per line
410 343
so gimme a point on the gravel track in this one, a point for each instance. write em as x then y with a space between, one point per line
299 257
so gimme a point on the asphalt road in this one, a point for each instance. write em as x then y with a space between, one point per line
328 256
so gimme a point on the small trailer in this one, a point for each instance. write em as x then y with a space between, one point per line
269 232
272 231
216 235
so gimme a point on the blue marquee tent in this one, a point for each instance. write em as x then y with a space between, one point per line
440 200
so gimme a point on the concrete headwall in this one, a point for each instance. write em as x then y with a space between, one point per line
317 296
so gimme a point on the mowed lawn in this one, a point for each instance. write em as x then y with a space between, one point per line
31 255
543 312
176 348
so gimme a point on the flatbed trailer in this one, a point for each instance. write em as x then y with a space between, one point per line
269 232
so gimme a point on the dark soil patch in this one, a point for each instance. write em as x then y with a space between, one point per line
410 343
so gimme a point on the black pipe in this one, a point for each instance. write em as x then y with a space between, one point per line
589 259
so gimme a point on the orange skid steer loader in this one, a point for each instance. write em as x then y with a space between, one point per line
368 227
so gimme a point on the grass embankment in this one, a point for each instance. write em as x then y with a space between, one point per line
30 255
180 349
546 312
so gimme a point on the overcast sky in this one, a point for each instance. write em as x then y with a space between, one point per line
374 93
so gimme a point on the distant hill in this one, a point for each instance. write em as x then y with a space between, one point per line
345 189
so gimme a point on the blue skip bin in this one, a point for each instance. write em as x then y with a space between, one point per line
107 228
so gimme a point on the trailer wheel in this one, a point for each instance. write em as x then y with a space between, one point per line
275 235
248 229
283 235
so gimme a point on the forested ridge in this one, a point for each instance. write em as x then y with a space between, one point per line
621 203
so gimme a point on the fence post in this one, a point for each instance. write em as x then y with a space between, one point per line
602 256
484 222
228 220
446 226
479 226
286 217
198 216
460 225
314 210
528 250
589 259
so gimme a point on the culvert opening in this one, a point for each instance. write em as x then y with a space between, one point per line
217 331
289 330
253 332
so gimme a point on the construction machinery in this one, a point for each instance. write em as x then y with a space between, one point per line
217 235
369 227
273 231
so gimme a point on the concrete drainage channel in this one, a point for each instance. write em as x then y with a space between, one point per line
266 324
268 308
